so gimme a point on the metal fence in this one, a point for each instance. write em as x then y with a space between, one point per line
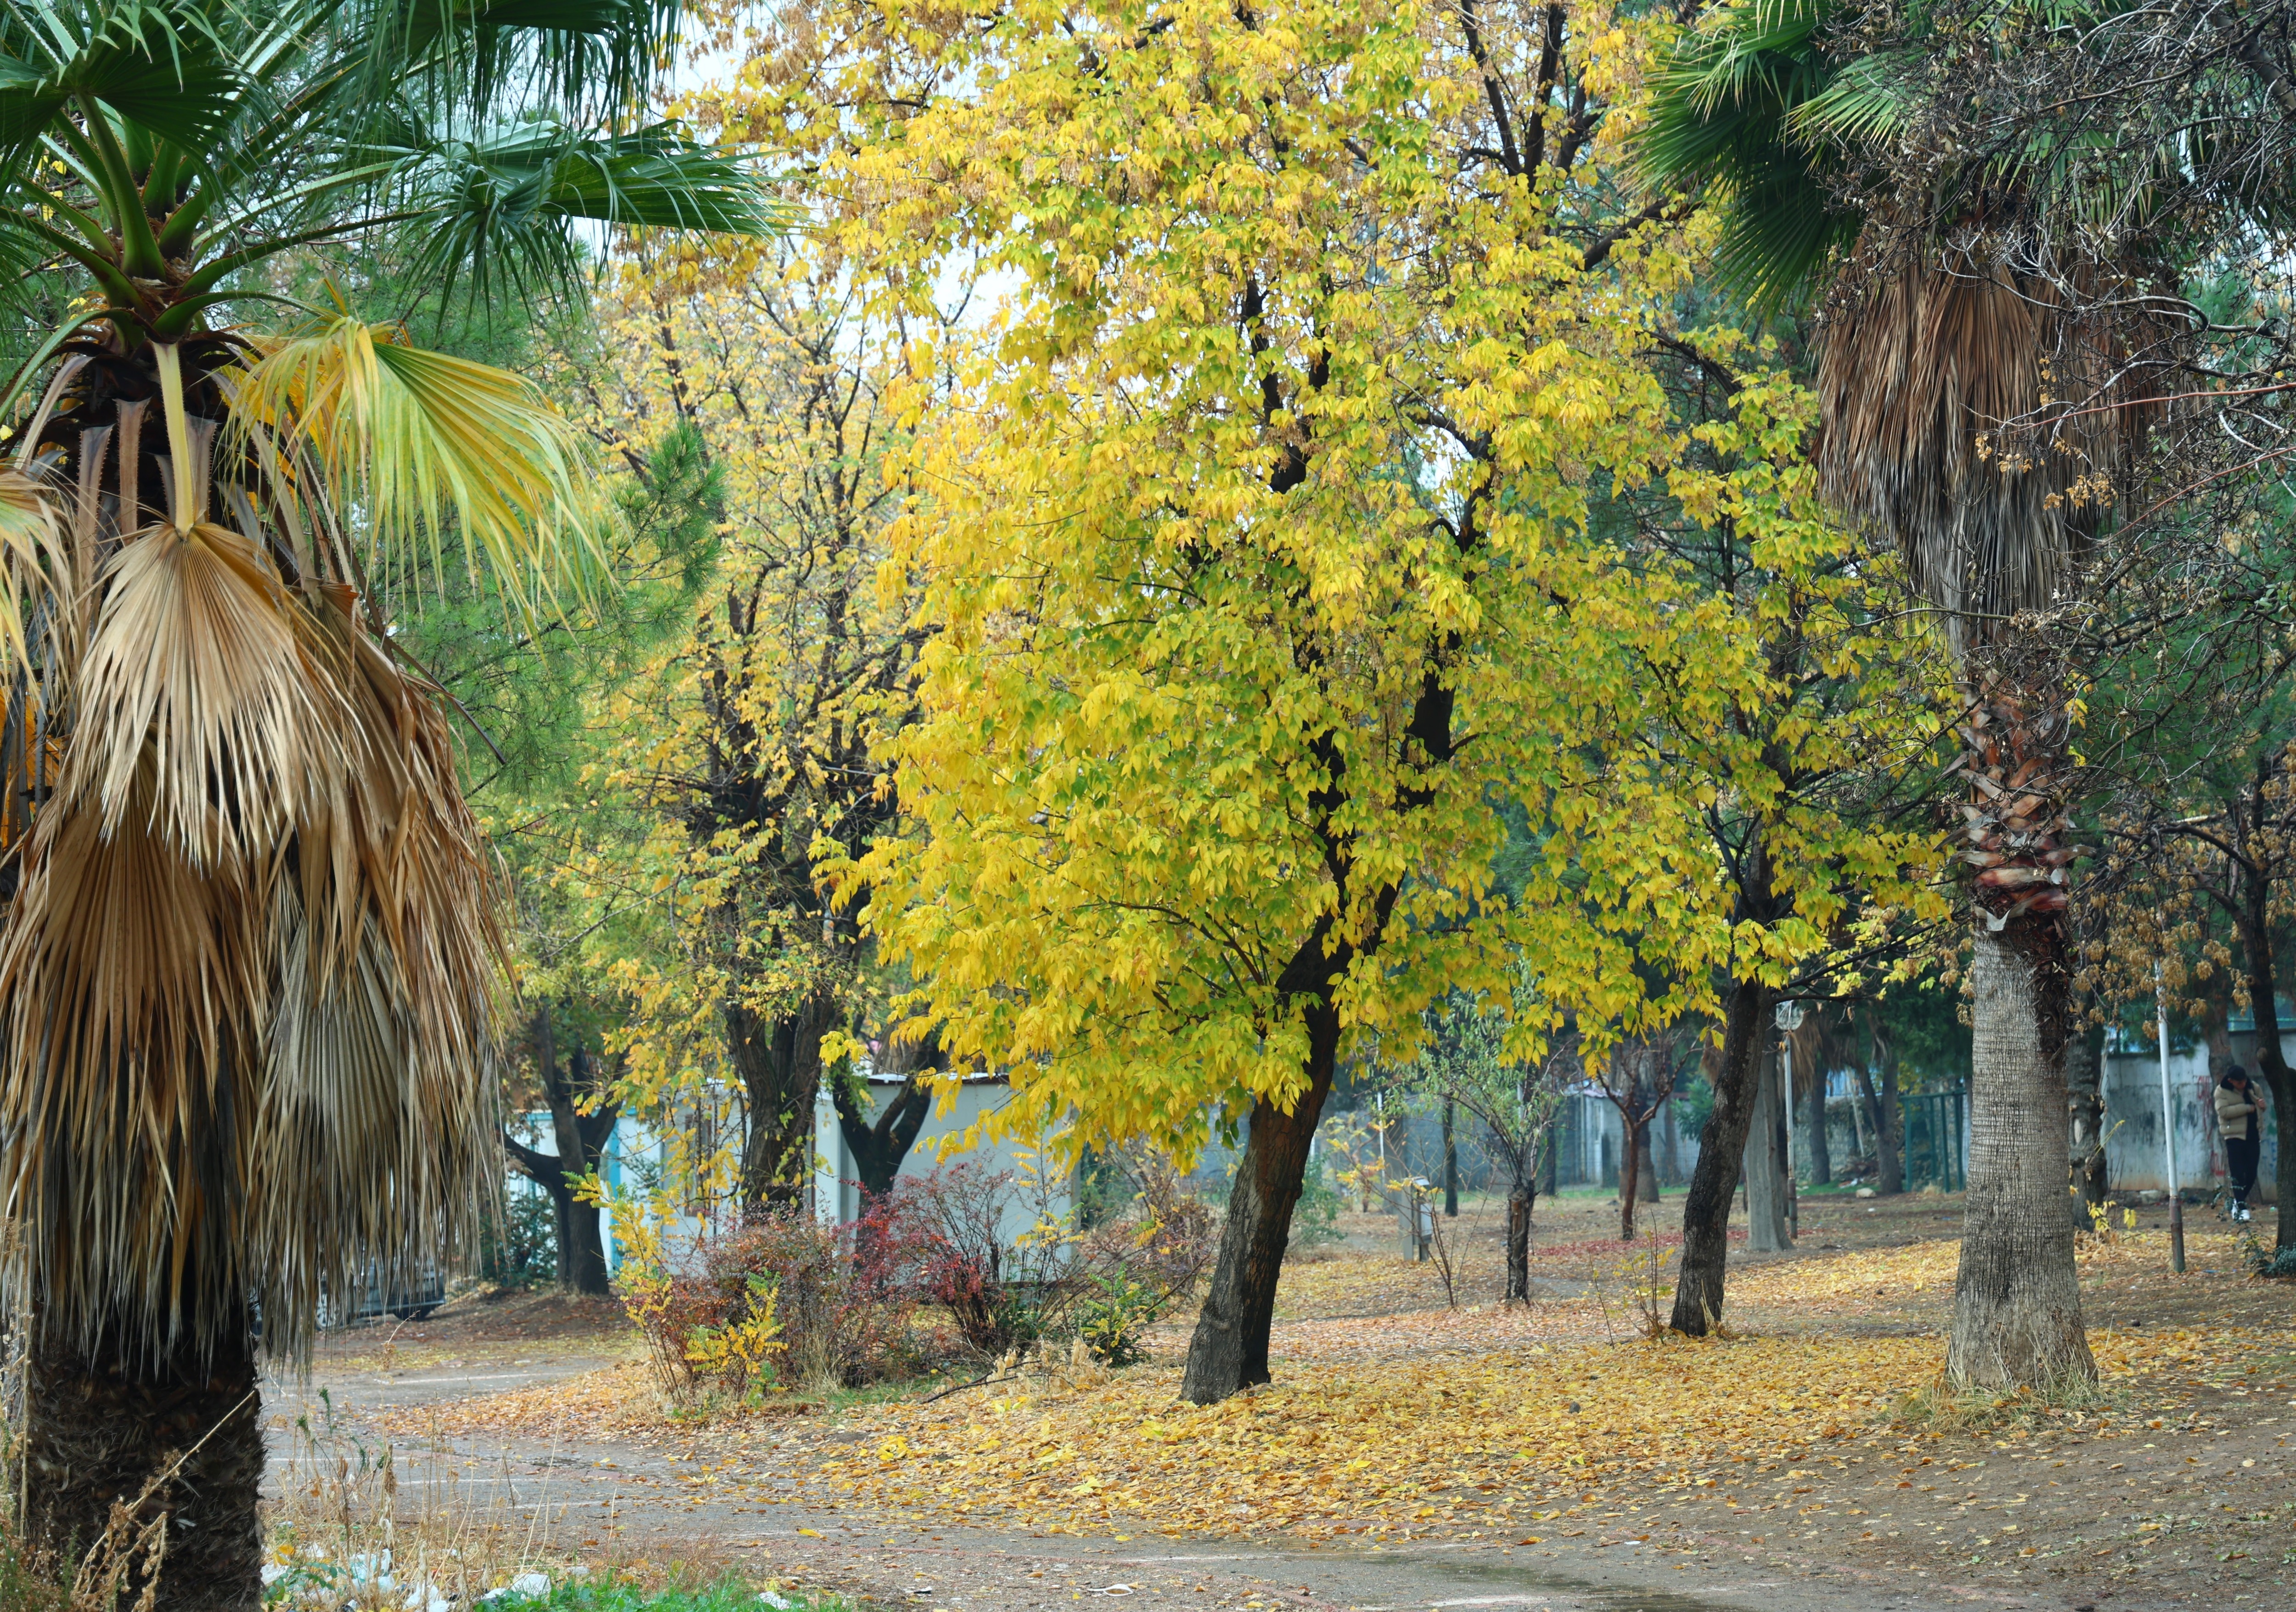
1937 1138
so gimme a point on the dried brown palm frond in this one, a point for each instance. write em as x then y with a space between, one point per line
35 547
248 971
372 1126
1981 421
133 1010
195 671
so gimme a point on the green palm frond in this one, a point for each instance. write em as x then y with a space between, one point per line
161 68
1748 104
504 202
422 443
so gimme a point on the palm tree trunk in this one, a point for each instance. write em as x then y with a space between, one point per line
102 1423
1698 1288
1229 1351
2016 1311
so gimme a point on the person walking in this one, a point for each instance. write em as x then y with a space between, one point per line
2238 1120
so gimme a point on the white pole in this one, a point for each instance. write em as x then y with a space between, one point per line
2169 1128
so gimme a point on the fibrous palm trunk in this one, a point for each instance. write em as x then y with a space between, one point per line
105 1422
1229 1350
2017 1316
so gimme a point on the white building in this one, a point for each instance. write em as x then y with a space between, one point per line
639 1158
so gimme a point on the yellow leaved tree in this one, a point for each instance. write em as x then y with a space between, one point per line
748 748
1267 539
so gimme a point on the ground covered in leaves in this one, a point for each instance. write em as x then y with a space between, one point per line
1408 1407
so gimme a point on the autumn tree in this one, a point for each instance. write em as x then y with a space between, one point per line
754 745
2199 881
1257 542
1466 1064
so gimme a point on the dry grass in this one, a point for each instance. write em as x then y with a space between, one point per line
356 1519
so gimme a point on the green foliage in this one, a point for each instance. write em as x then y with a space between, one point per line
1113 1320
2262 1261
523 1251
1693 1105
1316 1218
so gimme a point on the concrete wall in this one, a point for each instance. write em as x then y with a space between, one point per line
1041 1189
2134 1157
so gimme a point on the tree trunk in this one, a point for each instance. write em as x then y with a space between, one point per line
1645 1167
1450 1160
1821 1151
1697 1290
779 1062
1521 1199
1767 1227
2016 1312
101 1426
1630 1158
2085 1122
1229 1350
1889 1118
2262 984
1861 1111
582 1241
879 1147
582 1141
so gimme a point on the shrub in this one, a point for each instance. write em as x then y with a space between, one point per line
1113 1318
1144 1251
522 1251
844 1296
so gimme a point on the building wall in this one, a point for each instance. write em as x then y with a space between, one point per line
2134 1157
1041 1188
638 1156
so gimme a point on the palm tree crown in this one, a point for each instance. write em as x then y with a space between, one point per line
246 960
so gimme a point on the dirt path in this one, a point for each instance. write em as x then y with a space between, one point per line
2181 1498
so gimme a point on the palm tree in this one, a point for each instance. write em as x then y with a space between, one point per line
1930 353
247 960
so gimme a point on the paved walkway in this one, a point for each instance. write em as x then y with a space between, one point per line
642 1499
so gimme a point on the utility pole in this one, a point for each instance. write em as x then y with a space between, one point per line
1789 1015
2169 1132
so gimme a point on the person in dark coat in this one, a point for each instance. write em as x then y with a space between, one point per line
2240 1121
